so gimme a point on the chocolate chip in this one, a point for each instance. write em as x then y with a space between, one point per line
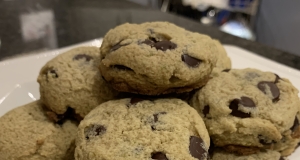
281 158
100 129
277 78
159 156
156 119
246 102
165 45
94 130
273 88
190 61
197 149
149 42
295 125
205 111
121 67
263 142
211 148
53 72
156 115
153 128
226 70
135 100
83 56
160 45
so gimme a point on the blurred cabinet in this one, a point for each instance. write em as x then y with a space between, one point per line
278 24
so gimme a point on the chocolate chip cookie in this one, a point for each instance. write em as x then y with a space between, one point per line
71 84
223 61
262 155
290 140
135 129
246 110
27 134
156 58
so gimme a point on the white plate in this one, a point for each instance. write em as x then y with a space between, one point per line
19 86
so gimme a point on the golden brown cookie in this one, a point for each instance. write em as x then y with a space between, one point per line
139 129
246 110
71 84
27 134
156 58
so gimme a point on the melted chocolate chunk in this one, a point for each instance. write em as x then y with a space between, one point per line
205 111
160 45
83 56
196 148
273 88
165 45
121 67
295 125
226 70
246 102
94 130
156 115
135 100
149 42
190 61
159 156
281 158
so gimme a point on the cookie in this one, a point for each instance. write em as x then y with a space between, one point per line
135 129
289 141
223 61
156 58
71 84
263 155
246 110
27 134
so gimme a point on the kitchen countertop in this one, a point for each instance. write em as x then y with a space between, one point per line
76 21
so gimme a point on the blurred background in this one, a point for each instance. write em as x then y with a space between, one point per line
37 25
274 23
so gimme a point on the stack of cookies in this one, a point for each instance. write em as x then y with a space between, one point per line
153 91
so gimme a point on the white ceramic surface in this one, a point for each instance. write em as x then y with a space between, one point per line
18 84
